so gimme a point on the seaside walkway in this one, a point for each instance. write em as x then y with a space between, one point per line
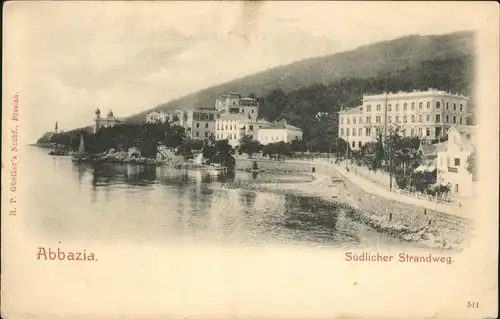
374 189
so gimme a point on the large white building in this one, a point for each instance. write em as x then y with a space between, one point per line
278 132
427 114
109 121
452 160
175 117
234 103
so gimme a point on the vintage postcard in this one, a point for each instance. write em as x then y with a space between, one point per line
171 159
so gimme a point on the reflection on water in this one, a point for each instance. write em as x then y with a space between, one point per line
116 203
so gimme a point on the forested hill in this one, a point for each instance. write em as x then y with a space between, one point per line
413 62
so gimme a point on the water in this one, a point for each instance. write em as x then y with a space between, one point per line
111 204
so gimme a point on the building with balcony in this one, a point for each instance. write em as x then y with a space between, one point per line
234 103
426 114
452 160
234 126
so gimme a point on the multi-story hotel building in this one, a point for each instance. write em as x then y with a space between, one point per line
175 117
426 114
200 124
233 103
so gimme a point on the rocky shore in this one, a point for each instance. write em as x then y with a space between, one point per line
406 222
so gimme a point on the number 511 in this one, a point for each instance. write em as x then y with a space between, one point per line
472 304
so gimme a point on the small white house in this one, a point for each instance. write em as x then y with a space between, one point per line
452 160
278 132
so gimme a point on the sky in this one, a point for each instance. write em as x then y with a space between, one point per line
67 58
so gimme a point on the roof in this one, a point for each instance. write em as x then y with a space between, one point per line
280 126
467 132
247 99
353 110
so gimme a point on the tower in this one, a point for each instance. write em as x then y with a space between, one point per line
97 120
56 128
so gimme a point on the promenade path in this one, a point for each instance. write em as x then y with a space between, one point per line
323 167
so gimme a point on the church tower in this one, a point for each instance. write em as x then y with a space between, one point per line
56 128
97 120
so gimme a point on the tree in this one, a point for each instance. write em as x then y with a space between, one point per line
248 145
471 165
223 154
379 153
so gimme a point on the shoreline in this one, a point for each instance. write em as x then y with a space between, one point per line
410 223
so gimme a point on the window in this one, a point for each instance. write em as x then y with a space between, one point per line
377 119
427 131
206 125
412 132
447 105
438 105
428 117
353 144
348 121
226 127
390 107
251 127
461 107
438 118
460 120
197 125
413 118
429 105
454 106
360 131
341 120
353 120
420 118
377 130
404 119
341 132
368 119
420 131
368 131
446 118
397 106
368 108
359 144
456 188
218 126
378 107
360 120
397 119
353 132
389 119
412 105
252 111
403 132
347 130
457 161
197 134
454 119
405 106
206 134
420 105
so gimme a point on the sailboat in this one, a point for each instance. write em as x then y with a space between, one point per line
80 154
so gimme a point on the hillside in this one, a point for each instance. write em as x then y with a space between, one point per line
421 58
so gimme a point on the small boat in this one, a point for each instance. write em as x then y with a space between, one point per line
80 155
